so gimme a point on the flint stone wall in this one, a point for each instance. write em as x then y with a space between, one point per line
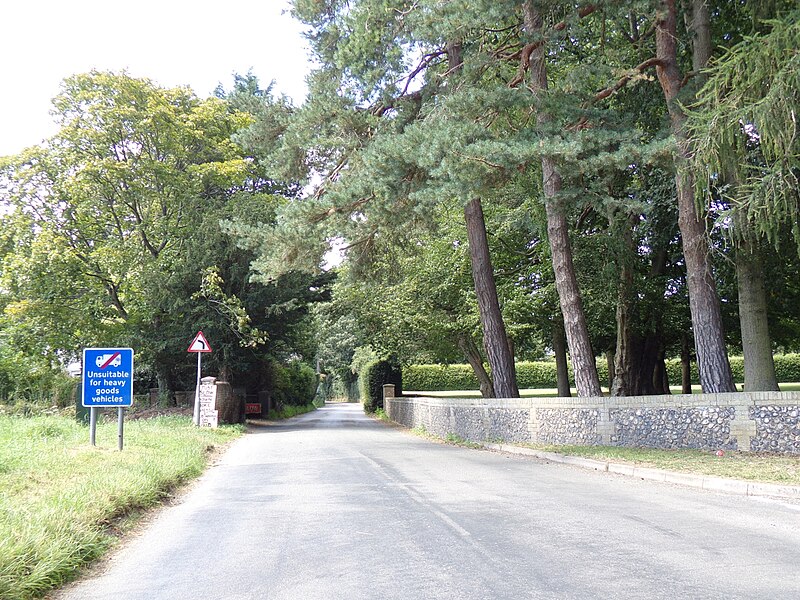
777 428
753 421
703 427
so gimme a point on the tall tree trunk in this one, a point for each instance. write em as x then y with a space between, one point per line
686 366
560 351
577 332
164 380
660 375
475 360
584 367
698 22
712 356
759 366
495 340
625 356
641 370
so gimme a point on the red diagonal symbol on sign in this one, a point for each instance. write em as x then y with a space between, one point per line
110 360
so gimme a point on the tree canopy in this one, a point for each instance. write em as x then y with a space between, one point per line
502 179
114 234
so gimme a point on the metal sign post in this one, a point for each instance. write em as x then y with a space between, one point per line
120 427
107 381
196 413
199 345
92 425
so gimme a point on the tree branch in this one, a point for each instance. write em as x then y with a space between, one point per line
583 122
330 178
424 63
623 81
480 160
349 208
382 109
524 54
688 76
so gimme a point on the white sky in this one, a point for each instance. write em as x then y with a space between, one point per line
199 43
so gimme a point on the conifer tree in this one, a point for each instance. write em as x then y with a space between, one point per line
745 129
712 356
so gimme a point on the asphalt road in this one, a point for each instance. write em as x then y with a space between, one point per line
334 505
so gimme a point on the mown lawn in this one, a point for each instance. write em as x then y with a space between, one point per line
61 498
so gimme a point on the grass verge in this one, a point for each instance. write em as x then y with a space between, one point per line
62 497
451 438
752 466
289 411
381 415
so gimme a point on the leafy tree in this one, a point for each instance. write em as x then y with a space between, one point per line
114 188
117 221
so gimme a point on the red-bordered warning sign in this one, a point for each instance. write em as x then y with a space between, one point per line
199 344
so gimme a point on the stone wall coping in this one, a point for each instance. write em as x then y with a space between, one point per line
522 403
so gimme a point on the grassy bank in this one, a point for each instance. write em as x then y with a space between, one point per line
769 468
289 411
751 466
61 498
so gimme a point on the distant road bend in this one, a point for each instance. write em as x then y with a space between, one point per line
334 505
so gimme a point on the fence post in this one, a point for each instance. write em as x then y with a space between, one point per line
388 394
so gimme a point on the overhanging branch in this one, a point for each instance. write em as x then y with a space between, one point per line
525 53
625 79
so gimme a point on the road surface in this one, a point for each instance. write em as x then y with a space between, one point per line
334 505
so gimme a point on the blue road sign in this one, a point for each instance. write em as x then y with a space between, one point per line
107 377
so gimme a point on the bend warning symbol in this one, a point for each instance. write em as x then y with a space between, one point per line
199 344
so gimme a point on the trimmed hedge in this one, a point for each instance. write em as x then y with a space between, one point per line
542 374
787 367
371 380
539 374
436 378
294 384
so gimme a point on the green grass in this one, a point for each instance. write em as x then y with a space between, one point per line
381 415
769 468
289 411
789 387
457 440
61 498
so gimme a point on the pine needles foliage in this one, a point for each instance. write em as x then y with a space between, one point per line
745 127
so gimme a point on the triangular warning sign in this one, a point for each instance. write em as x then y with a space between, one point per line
199 344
